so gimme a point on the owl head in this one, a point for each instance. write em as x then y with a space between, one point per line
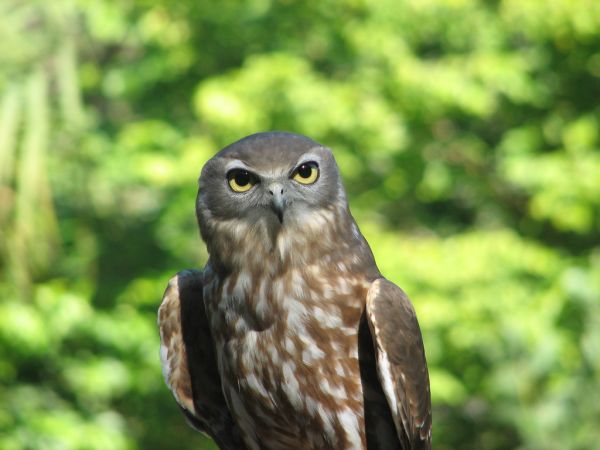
266 186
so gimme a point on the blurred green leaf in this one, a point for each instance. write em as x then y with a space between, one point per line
467 137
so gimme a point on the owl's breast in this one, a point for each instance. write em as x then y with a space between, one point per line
287 352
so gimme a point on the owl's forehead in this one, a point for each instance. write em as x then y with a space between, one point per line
273 150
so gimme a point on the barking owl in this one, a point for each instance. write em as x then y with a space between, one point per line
290 337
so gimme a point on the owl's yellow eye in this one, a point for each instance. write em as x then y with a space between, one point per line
240 180
306 173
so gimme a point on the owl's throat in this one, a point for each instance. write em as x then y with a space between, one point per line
271 243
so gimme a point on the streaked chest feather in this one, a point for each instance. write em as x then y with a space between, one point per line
288 355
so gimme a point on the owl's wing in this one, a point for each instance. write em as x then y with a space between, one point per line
189 363
400 360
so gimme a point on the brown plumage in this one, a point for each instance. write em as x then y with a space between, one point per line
290 338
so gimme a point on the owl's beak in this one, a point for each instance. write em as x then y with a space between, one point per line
277 200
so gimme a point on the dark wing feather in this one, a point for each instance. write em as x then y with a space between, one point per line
401 364
189 362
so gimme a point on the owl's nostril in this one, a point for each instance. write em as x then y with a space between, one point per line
271 191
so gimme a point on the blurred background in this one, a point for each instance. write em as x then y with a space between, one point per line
467 135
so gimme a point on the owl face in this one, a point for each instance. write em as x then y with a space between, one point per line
274 178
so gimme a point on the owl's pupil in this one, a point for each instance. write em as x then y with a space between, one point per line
242 178
304 171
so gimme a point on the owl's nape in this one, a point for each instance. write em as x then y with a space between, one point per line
309 345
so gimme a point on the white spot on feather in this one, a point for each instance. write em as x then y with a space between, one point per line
305 338
296 313
164 362
385 375
329 388
243 418
240 325
289 345
327 420
278 289
256 385
327 291
311 405
290 385
312 353
349 423
319 314
262 304
273 355
298 286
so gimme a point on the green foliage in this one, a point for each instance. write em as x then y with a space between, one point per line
467 135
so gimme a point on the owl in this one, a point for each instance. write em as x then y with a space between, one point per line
290 337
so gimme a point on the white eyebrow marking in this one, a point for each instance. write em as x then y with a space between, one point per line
237 164
276 172
307 157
